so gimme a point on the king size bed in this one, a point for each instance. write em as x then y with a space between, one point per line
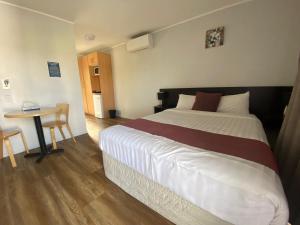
197 167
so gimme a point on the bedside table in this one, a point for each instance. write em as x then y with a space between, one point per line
158 108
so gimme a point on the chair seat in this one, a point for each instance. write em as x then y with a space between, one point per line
54 123
8 133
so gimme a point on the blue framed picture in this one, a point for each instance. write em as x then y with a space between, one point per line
54 70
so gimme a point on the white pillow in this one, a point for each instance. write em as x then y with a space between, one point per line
185 101
237 104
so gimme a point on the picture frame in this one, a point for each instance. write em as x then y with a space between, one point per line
54 69
215 37
6 83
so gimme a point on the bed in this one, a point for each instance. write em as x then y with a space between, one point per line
188 184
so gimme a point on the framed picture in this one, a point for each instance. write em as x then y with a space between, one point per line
5 83
54 70
214 37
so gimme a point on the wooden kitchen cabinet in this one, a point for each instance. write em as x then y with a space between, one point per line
82 84
86 85
106 83
95 80
93 59
102 83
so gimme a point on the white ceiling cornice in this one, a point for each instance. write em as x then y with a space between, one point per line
192 19
129 17
201 15
36 11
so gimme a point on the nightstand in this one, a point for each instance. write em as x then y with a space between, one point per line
158 108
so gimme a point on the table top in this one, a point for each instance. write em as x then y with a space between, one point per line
26 114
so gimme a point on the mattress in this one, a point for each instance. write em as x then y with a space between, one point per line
236 190
160 199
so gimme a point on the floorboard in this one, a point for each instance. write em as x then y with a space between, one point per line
69 188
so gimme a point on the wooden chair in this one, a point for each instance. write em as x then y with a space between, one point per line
59 123
4 137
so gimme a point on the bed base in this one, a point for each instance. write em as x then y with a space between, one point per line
160 199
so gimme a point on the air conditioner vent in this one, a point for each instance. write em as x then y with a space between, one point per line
140 43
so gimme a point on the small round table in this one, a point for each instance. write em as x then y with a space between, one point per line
36 115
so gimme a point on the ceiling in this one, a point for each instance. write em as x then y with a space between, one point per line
115 21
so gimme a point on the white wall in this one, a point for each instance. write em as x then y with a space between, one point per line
27 42
262 43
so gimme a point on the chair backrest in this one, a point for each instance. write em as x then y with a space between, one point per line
63 111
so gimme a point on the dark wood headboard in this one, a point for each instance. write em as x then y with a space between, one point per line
267 103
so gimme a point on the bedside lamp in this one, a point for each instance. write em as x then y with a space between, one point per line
162 96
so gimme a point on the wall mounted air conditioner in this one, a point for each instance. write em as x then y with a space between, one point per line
140 43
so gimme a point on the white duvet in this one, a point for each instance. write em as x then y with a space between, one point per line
236 190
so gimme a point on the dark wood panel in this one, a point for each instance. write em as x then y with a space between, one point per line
267 103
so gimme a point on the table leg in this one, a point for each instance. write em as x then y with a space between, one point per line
40 134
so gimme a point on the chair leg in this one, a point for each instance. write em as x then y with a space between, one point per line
54 145
62 132
10 152
24 143
69 129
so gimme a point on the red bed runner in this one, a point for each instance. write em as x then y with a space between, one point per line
248 149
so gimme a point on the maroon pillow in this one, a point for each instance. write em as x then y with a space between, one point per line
207 101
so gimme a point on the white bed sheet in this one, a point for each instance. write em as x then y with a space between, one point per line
236 190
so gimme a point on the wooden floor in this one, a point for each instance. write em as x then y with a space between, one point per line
70 188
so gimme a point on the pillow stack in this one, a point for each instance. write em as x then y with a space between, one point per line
215 102
238 104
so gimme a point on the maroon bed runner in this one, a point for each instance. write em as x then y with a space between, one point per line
249 149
